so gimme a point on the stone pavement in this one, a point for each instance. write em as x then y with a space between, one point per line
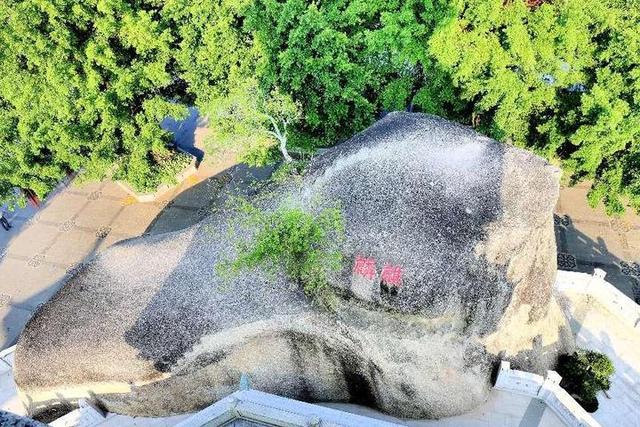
588 239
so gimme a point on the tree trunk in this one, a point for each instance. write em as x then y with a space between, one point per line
283 150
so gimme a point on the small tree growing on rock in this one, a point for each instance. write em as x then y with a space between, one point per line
304 245
584 373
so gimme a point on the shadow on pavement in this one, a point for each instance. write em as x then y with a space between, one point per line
579 252
198 201
21 313
185 132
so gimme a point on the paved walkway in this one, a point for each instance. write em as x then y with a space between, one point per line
502 409
588 239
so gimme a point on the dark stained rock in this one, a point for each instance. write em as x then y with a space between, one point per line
463 222
7 419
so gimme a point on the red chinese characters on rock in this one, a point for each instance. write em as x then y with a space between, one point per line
391 275
365 267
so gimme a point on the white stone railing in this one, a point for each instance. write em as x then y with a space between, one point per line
604 292
268 409
87 415
546 389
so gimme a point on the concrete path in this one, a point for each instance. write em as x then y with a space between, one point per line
587 238
502 409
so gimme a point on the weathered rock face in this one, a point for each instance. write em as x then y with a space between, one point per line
464 222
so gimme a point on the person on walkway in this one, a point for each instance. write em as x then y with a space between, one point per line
3 219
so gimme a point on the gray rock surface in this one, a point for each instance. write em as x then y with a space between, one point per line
148 328
8 419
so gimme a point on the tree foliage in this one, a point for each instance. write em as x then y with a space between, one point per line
344 61
562 79
252 122
84 85
557 77
213 50
303 245
584 373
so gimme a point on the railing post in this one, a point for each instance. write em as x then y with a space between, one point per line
596 278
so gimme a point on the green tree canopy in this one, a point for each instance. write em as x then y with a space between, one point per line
562 79
253 123
584 373
559 77
84 85
214 51
343 61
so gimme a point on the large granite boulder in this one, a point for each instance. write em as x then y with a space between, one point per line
461 226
